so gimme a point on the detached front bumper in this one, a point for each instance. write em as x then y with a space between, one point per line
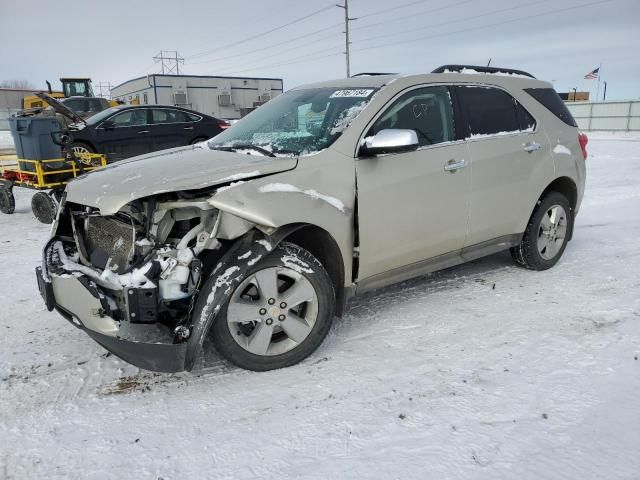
81 302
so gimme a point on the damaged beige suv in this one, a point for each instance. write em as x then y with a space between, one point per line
250 243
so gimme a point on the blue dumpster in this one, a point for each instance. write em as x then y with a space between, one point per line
32 137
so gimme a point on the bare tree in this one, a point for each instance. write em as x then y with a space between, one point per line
23 84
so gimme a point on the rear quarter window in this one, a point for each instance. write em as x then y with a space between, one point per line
550 99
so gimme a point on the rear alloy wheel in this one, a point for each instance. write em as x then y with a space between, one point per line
7 201
547 233
279 314
44 207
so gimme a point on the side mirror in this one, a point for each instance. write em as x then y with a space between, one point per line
391 140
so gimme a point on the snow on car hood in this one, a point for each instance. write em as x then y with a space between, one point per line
176 169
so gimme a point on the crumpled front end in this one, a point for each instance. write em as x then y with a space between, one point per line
130 280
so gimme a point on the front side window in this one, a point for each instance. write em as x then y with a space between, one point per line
427 111
130 118
299 122
490 111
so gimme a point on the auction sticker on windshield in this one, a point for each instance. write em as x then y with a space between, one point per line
359 93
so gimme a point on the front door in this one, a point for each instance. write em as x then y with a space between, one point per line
413 206
125 134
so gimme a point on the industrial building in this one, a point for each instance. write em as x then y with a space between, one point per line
222 97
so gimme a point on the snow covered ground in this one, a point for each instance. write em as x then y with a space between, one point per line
481 371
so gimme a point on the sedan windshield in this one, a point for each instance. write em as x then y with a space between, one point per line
299 122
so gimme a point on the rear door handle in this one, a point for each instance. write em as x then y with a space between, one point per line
532 147
188 128
452 165
143 131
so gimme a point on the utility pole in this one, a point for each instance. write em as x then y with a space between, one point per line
170 61
345 7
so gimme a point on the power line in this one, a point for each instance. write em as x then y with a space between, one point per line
262 34
302 59
281 52
386 22
249 52
457 20
526 17
396 7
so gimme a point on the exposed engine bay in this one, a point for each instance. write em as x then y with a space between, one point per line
146 262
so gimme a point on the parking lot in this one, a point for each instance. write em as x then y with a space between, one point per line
485 370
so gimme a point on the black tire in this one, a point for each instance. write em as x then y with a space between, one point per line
7 201
198 140
527 254
228 348
44 207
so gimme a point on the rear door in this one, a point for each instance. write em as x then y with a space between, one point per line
170 128
413 206
125 134
507 146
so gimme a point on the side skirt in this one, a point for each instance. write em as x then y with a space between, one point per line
434 264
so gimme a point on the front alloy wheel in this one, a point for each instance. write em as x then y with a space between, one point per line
273 311
278 314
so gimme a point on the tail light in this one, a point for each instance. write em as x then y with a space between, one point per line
583 140
223 124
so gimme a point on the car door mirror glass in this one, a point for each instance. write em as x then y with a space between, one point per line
390 140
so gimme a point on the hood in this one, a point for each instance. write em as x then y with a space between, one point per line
60 107
183 168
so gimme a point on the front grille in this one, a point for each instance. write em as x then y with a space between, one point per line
109 242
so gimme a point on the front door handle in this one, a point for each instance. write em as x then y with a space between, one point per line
532 147
452 165
188 128
143 131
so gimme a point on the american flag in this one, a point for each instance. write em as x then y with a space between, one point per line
592 75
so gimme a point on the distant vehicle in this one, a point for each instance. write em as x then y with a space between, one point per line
126 130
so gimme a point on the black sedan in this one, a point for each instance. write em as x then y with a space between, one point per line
126 131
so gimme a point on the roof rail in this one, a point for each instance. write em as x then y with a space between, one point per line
479 69
371 74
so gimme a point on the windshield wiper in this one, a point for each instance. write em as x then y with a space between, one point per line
243 146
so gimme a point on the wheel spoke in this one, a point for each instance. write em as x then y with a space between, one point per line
260 339
240 311
545 223
267 281
301 291
543 242
296 328
552 248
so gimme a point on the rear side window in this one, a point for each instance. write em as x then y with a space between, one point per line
489 110
552 102
525 120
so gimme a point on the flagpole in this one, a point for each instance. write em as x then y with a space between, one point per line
599 75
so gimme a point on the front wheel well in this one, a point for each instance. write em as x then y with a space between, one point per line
323 246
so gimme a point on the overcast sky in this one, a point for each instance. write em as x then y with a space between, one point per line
114 41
